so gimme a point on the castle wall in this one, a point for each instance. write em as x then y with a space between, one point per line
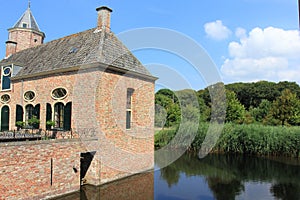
27 173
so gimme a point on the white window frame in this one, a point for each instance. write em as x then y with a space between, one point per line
2 74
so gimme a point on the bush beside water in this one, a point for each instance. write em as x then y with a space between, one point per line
253 139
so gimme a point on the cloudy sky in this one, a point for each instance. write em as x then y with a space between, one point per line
248 40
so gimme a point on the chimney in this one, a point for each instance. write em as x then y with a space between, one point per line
103 18
11 48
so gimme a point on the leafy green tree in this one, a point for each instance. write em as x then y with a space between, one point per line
260 113
295 119
217 107
167 108
293 86
283 107
235 111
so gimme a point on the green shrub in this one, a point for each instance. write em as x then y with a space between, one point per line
253 139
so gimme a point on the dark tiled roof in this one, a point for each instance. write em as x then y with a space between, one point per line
91 46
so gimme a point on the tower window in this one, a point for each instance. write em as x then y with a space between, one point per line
24 25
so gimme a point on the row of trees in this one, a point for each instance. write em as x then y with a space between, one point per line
262 102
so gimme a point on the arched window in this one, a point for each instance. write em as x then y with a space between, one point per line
5 118
62 115
32 112
19 113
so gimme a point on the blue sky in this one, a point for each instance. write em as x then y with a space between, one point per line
248 40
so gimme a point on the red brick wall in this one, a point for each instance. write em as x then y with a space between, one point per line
25 168
134 145
24 38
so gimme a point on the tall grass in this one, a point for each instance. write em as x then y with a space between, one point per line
244 139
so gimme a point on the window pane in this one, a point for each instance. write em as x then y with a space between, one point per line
6 74
129 98
19 113
67 116
59 115
48 115
5 118
128 119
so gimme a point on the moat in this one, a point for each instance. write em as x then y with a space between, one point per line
214 177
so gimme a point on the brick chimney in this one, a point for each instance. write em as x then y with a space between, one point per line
103 18
11 48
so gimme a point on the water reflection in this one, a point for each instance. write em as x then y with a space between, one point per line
221 177
139 186
228 177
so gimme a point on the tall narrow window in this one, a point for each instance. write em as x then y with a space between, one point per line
19 113
36 113
5 118
6 74
67 116
59 115
48 115
28 113
129 107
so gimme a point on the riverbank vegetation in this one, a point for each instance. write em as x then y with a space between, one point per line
261 118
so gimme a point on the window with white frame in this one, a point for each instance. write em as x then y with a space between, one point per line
6 72
129 108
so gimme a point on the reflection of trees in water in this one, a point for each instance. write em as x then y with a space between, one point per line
286 191
226 174
224 190
171 175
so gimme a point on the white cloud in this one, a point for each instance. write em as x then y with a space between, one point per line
240 33
264 54
216 30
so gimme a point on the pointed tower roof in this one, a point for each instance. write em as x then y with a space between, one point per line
27 21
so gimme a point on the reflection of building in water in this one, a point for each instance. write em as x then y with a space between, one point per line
139 186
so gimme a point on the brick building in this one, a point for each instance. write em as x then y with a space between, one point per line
82 80
88 82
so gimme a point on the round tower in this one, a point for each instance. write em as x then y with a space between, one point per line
24 34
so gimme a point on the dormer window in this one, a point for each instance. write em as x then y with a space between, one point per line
6 73
24 25
5 79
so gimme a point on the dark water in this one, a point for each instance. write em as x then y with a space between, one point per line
214 177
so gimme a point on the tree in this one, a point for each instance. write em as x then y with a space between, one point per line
167 108
283 107
259 113
235 111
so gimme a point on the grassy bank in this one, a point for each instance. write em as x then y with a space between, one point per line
244 139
